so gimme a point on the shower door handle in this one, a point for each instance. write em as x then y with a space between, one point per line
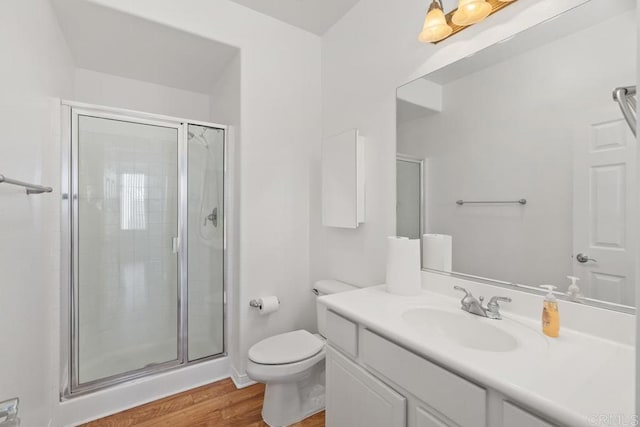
175 245
213 217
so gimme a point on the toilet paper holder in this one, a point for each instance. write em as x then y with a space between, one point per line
257 303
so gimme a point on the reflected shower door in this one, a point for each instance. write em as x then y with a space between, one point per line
409 198
126 219
205 213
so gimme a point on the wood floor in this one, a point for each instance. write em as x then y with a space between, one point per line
217 404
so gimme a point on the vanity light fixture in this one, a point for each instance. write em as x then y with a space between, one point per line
438 26
471 12
435 26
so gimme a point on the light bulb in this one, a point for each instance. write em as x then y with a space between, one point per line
471 12
435 26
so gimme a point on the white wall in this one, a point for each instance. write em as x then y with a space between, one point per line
36 68
500 139
225 96
113 91
225 107
366 56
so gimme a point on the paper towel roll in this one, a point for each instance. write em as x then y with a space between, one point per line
403 266
437 251
269 304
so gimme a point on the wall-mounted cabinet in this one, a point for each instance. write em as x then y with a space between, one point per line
343 188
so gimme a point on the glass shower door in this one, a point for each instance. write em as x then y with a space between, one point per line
205 213
126 225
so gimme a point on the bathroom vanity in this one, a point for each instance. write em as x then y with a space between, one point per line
422 362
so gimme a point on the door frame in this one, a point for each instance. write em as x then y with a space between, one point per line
70 110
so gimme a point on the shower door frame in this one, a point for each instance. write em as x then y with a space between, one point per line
69 372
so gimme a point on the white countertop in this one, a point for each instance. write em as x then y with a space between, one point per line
571 379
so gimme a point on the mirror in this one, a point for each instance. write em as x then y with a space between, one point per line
516 164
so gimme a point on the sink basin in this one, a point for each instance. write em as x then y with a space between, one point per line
465 329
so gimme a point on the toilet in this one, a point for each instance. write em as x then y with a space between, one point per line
292 367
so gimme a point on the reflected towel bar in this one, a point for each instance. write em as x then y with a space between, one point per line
521 201
31 188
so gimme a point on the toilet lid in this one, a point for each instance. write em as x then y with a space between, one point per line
285 348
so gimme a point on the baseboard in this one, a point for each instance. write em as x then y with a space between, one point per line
241 380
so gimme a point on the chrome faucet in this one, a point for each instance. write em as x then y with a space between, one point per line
470 304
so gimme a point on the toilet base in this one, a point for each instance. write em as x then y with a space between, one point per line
286 403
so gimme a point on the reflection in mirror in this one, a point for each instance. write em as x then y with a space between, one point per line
409 177
530 118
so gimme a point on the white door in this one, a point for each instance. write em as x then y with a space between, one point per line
603 201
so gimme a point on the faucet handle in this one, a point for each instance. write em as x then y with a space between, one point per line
467 299
460 288
494 300
493 308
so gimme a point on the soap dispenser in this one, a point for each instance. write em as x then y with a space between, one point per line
550 314
573 291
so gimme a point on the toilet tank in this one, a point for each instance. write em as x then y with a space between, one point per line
327 287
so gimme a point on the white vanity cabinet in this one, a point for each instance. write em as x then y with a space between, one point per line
372 381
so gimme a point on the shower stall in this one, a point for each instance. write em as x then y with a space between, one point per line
143 242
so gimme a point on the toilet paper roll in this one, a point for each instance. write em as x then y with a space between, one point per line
269 304
437 252
403 266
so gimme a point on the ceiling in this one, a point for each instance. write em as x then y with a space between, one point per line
315 16
105 40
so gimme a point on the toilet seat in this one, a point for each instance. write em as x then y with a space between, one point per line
288 372
287 348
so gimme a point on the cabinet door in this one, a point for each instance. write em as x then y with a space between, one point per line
515 417
357 399
425 419
343 180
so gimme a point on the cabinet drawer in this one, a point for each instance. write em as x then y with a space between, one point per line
342 333
514 416
454 397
